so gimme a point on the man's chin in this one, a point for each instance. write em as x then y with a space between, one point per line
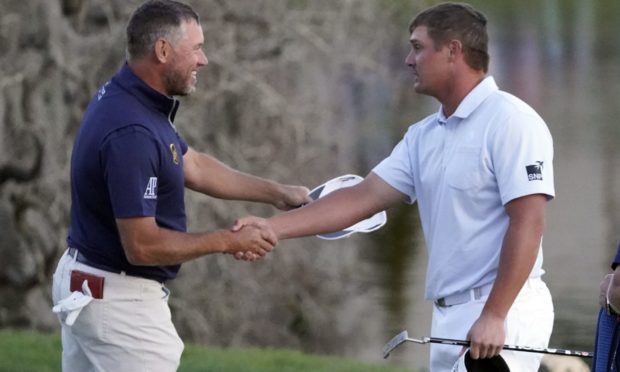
186 92
191 89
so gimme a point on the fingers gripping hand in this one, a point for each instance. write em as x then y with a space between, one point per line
246 256
253 242
258 222
486 337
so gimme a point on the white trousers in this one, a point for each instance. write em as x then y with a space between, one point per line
129 329
529 323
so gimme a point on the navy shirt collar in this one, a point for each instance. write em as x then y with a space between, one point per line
148 96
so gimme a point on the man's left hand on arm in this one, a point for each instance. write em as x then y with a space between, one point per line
292 197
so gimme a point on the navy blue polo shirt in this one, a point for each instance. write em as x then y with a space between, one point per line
127 161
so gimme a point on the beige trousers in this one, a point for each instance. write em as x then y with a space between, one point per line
129 329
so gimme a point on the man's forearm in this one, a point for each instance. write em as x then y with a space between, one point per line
147 244
334 212
516 262
519 252
518 255
338 210
209 176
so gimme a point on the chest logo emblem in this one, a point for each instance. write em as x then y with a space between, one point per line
175 154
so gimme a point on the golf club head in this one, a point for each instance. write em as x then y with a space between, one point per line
395 342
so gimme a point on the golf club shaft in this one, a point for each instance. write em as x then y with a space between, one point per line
582 354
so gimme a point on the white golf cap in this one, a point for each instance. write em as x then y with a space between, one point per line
368 225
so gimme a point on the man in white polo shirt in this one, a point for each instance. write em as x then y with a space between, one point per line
481 171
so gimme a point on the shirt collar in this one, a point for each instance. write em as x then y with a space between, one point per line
472 100
148 96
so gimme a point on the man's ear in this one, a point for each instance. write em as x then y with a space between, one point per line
455 47
162 50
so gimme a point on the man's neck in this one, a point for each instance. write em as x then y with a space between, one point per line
149 73
464 84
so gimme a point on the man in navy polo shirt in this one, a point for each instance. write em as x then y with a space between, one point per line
128 233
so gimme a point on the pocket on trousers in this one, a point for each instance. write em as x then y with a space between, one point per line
90 325
60 281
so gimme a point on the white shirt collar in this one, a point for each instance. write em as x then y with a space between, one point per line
472 100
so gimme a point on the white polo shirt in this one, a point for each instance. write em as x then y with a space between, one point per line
462 170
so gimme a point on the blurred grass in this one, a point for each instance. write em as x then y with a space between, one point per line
28 351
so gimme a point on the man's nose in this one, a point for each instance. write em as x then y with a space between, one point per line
410 60
203 60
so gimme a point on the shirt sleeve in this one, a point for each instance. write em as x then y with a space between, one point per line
184 145
130 159
522 157
396 169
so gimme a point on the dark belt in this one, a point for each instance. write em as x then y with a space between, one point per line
79 257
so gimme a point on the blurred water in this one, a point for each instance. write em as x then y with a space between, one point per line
563 58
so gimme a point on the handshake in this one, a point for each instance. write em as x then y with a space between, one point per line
252 238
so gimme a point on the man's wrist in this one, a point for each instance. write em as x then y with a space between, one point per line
224 241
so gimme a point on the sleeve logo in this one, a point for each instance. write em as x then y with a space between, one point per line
534 171
101 91
151 189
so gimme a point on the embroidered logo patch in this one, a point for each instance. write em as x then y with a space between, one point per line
534 171
175 154
101 91
151 189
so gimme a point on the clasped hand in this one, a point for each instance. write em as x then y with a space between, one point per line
256 237
289 197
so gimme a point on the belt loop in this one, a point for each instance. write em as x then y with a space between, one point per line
72 252
477 293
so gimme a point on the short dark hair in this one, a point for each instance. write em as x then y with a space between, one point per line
449 21
155 19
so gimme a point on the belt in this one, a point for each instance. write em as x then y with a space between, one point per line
465 296
79 257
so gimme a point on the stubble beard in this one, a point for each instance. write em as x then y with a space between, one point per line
177 84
